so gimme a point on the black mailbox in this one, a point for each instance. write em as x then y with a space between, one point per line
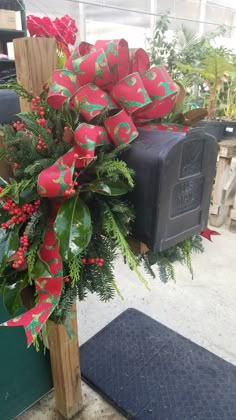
174 174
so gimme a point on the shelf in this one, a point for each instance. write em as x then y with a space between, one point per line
7 35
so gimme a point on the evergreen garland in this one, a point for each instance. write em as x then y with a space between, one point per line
32 145
166 260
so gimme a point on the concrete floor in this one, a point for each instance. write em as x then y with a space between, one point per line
203 310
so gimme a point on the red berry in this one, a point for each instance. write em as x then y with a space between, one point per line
101 260
37 98
84 260
76 155
100 264
97 259
91 261
66 280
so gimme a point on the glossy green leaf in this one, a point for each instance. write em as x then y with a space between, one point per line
28 195
73 227
3 242
41 269
109 187
11 295
12 243
117 187
3 183
9 244
99 187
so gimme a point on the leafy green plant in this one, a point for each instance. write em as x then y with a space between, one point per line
229 105
212 70
162 50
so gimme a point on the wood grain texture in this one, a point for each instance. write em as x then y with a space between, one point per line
64 354
35 59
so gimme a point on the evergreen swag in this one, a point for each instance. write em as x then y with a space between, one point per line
34 143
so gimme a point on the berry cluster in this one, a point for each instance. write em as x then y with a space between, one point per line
35 102
72 187
42 122
41 144
20 252
98 261
19 214
18 126
15 166
36 107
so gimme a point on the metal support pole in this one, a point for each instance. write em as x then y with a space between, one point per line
82 21
202 16
153 18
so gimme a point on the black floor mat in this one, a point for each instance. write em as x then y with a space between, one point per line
150 372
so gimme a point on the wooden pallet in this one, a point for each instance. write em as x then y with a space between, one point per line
224 191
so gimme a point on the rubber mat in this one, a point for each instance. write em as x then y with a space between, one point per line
150 372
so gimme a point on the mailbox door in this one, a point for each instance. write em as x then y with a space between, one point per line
25 375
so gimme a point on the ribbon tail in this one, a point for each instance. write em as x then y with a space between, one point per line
48 288
208 233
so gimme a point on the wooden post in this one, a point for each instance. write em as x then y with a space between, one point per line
65 363
36 59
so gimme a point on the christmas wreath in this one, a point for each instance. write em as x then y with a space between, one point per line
64 214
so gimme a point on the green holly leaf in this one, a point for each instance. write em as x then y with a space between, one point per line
41 269
109 187
73 227
12 243
14 191
28 195
117 187
3 242
3 183
99 187
11 295
9 244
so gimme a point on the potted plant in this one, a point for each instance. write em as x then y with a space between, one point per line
213 68
229 107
